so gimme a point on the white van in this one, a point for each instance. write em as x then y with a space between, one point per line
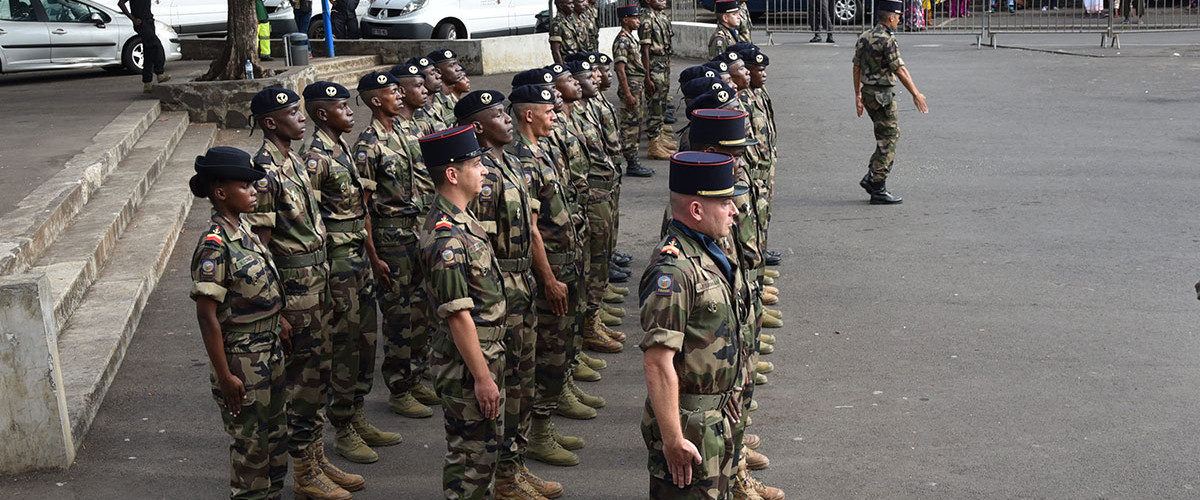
210 17
450 19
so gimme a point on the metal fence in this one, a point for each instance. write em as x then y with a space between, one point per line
986 18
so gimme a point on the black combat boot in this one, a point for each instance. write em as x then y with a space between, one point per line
633 168
866 183
881 196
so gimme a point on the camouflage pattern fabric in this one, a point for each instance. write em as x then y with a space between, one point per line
445 104
880 103
287 204
601 178
504 209
231 267
432 113
564 29
655 31
571 160
464 275
558 226
877 56
609 130
745 25
761 157
690 306
589 32
627 50
720 40
389 171
353 320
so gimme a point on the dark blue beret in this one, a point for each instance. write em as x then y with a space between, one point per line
757 59
442 55
376 80
695 72
406 71
713 99
536 76
728 57
477 101
536 94
696 86
325 91
557 70
718 65
420 62
268 100
577 67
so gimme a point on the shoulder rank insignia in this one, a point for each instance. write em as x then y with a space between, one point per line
214 237
443 223
671 248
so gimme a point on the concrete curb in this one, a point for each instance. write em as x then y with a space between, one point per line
43 215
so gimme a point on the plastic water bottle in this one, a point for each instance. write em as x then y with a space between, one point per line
249 70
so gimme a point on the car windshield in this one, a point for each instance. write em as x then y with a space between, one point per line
67 11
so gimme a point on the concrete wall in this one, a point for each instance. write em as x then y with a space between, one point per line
510 54
691 39
226 103
33 403
390 51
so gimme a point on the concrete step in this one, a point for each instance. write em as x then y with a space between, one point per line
93 340
42 215
343 63
349 79
73 261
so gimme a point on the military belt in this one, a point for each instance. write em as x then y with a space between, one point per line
600 183
490 333
515 265
264 325
345 226
402 222
560 259
300 260
703 402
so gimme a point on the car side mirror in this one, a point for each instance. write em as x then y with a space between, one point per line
97 19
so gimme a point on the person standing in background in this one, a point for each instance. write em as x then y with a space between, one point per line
818 17
143 24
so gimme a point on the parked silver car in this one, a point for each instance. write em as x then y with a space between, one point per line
66 34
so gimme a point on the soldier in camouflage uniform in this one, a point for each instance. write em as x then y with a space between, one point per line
877 64
744 22
238 299
627 62
353 321
466 290
654 33
446 62
564 31
726 33
433 109
288 220
504 209
695 303
589 25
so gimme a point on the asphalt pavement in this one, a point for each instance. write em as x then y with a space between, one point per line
1022 326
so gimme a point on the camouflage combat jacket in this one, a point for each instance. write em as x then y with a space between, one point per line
412 131
626 50
504 210
557 220
691 307
877 56
655 31
720 40
462 271
610 128
565 30
287 203
231 267
745 24
386 170
600 174
339 192
572 161
758 156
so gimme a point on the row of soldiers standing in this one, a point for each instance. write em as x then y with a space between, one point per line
302 249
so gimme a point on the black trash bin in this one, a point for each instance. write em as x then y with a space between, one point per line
295 47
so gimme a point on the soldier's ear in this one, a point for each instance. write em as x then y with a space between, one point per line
268 123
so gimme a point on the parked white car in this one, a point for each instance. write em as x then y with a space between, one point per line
210 17
68 34
450 19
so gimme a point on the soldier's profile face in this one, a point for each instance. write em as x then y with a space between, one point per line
740 74
289 122
496 125
339 116
470 175
543 119
433 79
718 214
240 196
415 94
758 76
587 85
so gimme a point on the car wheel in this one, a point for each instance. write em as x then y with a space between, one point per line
847 11
134 55
316 28
446 31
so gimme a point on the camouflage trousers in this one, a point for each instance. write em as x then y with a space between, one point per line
632 118
258 454
599 245
656 103
308 365
354 327
405 316
555 344
473 442
880 103
712 435
519 367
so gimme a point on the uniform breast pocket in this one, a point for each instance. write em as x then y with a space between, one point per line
293 202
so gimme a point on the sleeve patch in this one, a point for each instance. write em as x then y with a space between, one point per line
206 268
448 257
485 194
312 166
261 185
664 285
362 156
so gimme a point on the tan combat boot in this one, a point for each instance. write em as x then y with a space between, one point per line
764 348
612 310
371 434
610 333
571 407
751 441
657 151
512 488
348 481
548 489
760 379
771 321
771 273
583 397
619 290
764 367
773 312
310 483
753 407
568 442
407 405
584 372
595 340
767 280
761 490
771 290
667 142
766 338
608 319
754 459
596 364
543 448
611 297
769 299
742 490
425 395
352 447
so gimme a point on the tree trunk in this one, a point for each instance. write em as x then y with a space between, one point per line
241 43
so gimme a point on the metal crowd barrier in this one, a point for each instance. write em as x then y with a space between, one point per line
985 18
